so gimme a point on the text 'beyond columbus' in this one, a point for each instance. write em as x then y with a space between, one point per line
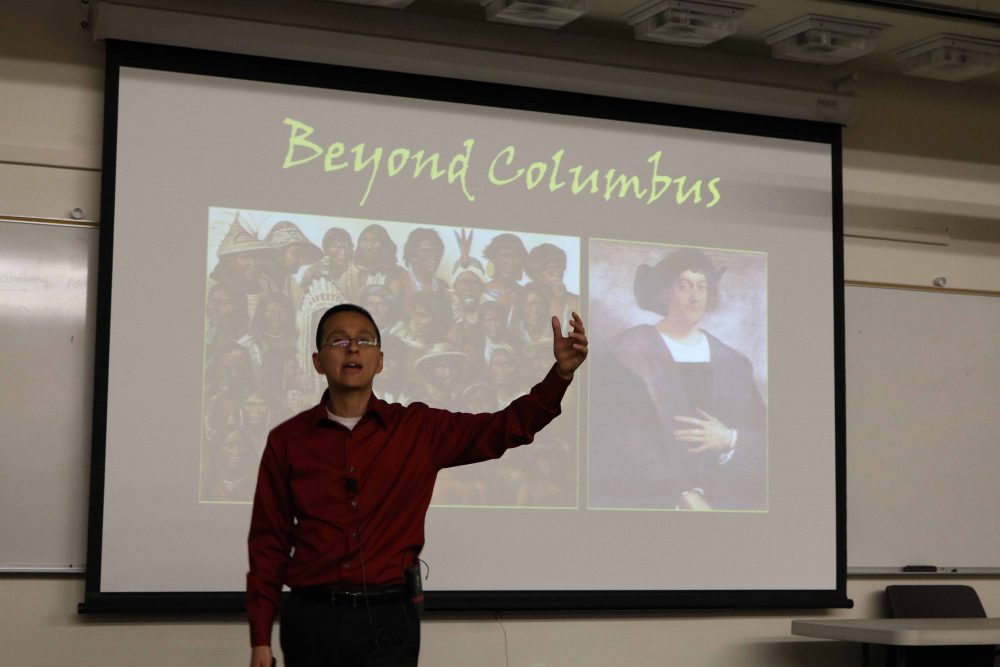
504 169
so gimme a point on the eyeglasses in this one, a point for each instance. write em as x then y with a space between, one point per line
344 342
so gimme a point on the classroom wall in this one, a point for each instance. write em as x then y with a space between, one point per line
43 630
921 156
901 171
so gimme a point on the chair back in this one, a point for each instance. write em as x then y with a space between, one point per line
938 601
934 601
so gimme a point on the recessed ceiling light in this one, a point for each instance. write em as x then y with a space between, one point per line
535 13
949 57
387 4
823 39
686 22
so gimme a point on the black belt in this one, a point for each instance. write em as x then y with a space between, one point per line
353 599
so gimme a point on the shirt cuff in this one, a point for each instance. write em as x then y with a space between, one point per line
260 614
260 633
724 458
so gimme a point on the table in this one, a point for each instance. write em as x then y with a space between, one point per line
902 631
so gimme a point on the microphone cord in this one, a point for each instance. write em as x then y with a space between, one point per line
506 648
352 486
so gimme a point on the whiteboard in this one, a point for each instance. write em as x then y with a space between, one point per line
923 429
47 304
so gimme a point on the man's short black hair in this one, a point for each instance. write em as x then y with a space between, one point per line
344 308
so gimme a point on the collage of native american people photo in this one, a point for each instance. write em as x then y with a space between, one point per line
464 316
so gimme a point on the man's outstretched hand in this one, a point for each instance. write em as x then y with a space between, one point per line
570 350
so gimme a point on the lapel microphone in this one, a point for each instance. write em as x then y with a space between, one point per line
352 485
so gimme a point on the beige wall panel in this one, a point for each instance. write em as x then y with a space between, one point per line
49 632
965 264
51 84
925 118
42 616
48 192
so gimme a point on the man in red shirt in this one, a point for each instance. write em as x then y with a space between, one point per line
343 490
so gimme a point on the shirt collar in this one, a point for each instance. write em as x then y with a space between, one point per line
376 407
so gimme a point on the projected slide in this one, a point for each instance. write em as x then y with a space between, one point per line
701 249
464 316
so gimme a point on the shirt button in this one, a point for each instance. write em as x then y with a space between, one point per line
350 468
356 535
354 502
347 564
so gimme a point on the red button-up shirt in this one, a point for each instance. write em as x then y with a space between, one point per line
310 522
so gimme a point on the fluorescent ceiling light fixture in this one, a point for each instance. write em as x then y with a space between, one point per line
388 4
535 13
685 22
949 57
823 39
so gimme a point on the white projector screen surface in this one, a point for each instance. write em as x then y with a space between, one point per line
244 209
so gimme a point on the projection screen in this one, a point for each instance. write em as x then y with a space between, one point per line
244 196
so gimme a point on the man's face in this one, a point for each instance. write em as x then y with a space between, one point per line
552 276
427 257
255 410
339 252
509 264
248 267
234 450
492 325
378 305
502 368
352 368
466 339
445 373
468 288
293 258
222 309
231 370
421 320
274 317
533 309
687 298
369 248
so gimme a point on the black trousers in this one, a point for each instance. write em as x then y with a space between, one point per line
315 634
